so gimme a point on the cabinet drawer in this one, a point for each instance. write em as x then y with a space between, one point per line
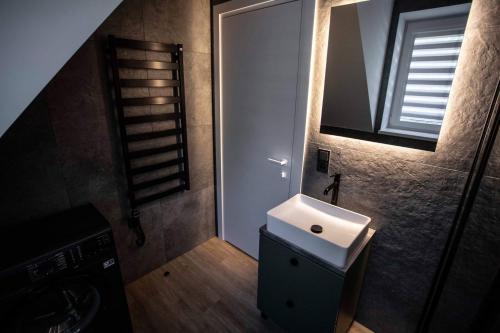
296 293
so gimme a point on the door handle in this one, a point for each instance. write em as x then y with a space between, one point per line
282 162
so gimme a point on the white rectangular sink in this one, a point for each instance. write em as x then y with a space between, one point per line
342 230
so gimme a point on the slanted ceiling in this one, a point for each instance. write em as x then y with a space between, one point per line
37 38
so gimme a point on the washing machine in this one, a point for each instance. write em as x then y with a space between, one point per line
61 275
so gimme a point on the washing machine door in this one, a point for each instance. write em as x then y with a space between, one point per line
68 306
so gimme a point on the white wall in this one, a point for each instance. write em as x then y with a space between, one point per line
346 100
37 37
374 23
357 43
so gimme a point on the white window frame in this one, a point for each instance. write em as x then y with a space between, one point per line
410 25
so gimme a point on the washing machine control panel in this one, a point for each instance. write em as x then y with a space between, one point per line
70 258
48 266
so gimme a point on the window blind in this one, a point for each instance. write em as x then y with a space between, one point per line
431 71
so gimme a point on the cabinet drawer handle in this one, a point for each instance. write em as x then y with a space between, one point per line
294 262
289 304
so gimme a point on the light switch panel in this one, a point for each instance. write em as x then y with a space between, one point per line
323 160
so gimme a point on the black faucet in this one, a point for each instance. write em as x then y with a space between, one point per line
335 187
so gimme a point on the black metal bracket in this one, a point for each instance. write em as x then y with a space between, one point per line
134 223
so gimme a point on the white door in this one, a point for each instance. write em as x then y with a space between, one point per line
259 67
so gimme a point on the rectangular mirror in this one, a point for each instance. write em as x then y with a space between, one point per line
390 67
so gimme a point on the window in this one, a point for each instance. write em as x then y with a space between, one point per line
425 56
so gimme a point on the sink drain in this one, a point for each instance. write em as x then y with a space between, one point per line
317 229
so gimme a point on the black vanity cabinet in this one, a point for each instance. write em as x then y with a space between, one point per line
302 293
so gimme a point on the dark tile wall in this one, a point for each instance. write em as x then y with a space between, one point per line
477 261
411 195
30 170
64 150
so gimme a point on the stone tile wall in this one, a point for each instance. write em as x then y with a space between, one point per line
65 150
478 257
411 195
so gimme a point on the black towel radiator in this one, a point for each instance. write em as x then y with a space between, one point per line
178 116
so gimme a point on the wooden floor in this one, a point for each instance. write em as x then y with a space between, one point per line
212 288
